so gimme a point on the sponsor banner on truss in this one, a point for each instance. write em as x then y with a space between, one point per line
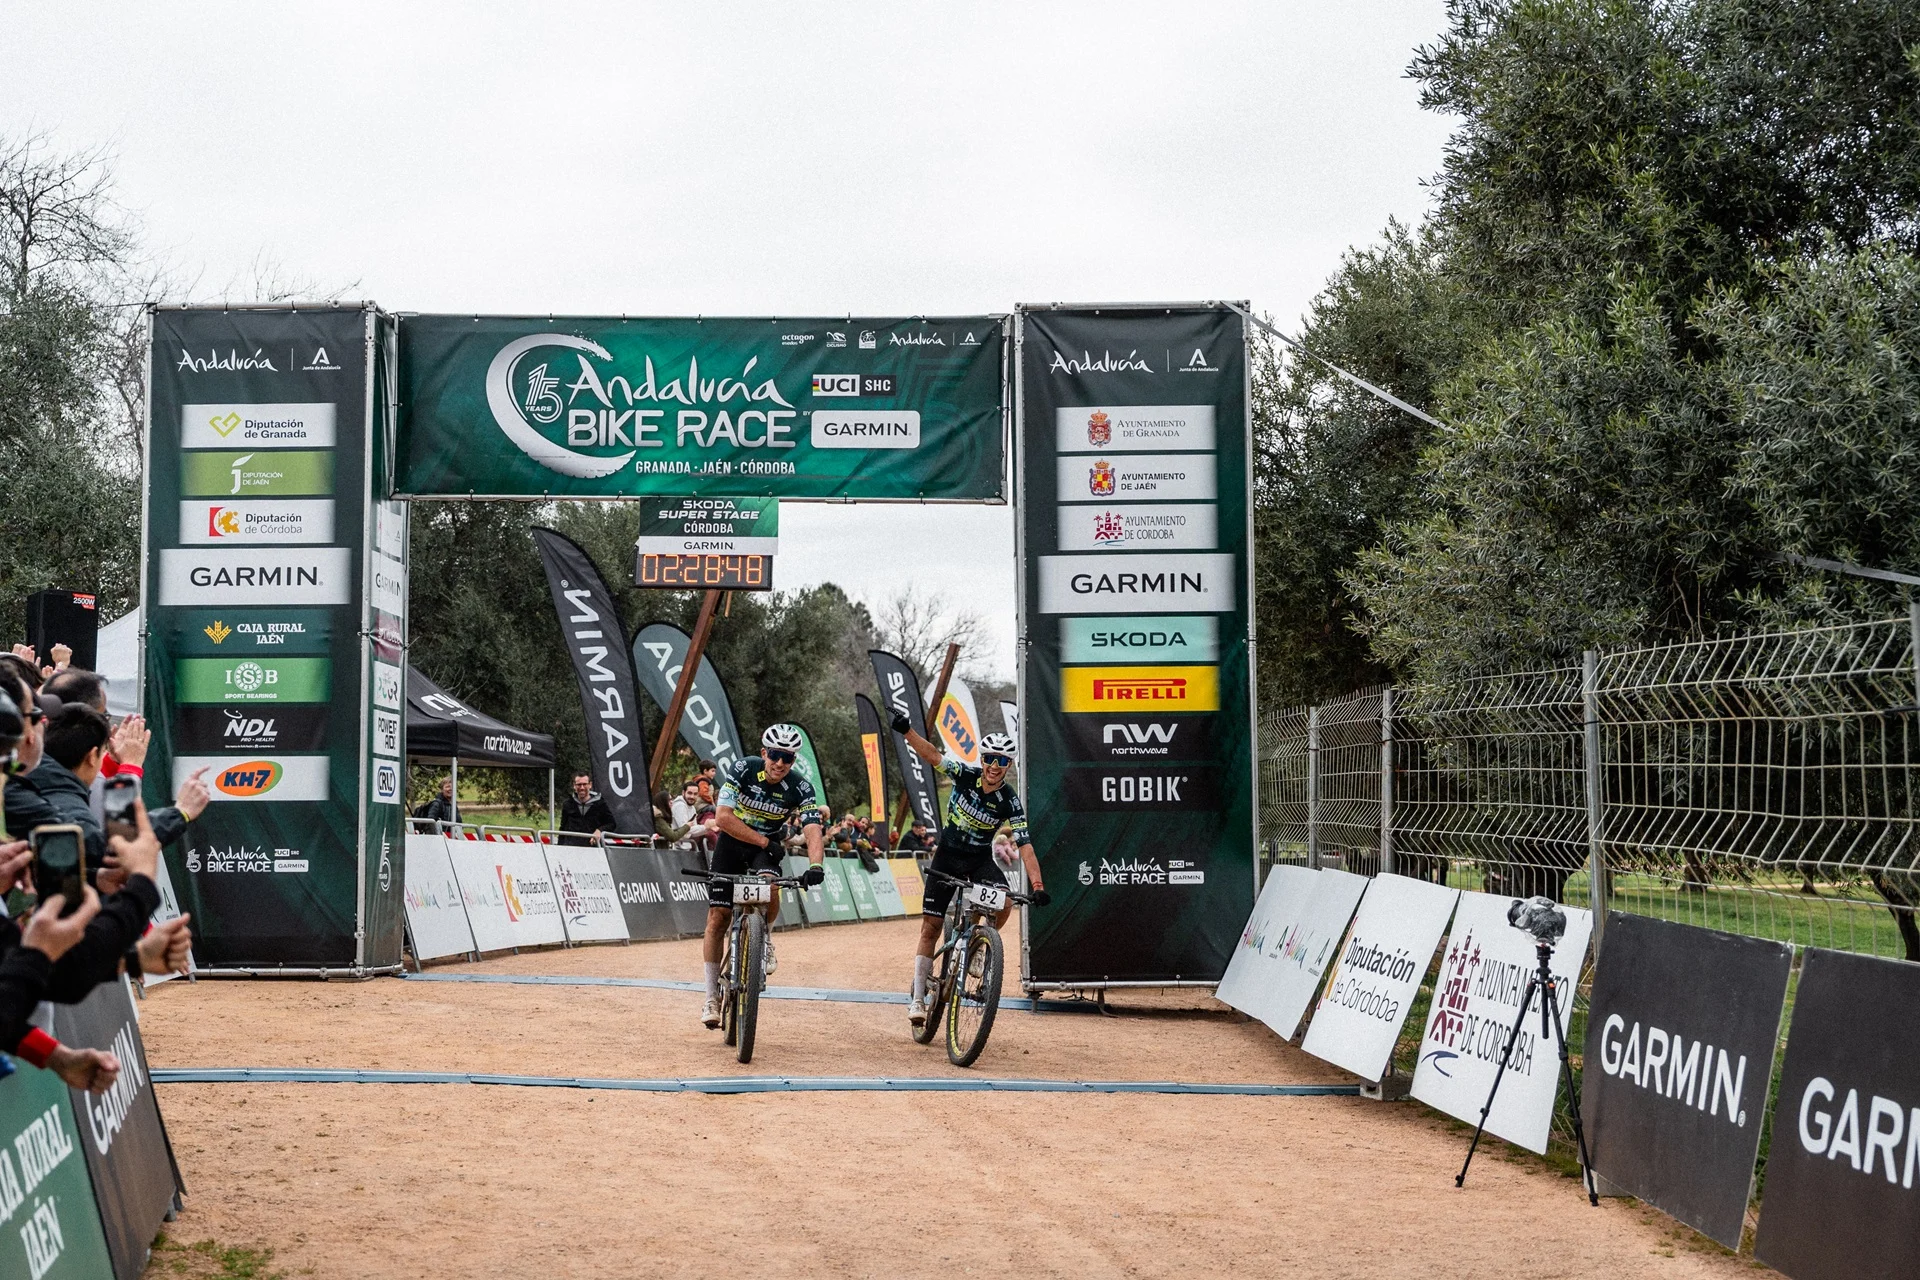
1843 1172
1132 536
1483 976
537 407
1681 1028
1372 982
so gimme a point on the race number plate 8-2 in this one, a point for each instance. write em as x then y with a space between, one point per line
986 897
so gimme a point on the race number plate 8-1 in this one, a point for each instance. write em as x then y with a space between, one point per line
744 892
986 897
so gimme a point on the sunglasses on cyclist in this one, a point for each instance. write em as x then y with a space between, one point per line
779 757
1004 762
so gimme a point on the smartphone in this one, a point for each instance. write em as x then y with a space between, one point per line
121 792
60 863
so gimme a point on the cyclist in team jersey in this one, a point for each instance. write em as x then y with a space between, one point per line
757 796
981 801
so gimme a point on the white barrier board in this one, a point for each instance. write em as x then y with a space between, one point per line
508 894
886 892
1483 975
1281 899
589 899
1372 982
436 915
1297 945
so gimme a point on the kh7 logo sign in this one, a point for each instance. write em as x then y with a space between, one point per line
254 778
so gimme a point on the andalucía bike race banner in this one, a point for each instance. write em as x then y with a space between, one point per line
1136 701
524 407
275 597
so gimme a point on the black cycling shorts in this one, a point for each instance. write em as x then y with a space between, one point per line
968 865
736 858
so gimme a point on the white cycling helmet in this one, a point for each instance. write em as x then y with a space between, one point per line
1000 744
781 737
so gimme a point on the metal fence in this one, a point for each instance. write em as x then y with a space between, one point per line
1760 784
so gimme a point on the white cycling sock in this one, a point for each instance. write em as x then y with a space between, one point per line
922 973
713 979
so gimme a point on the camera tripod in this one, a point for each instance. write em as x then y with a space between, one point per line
1540 980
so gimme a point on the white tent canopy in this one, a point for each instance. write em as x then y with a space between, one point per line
118 659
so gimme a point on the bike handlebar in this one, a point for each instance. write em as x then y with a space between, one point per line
1012 893
786 882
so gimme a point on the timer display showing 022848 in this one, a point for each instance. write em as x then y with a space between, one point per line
704 570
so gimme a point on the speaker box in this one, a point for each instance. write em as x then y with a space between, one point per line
71 618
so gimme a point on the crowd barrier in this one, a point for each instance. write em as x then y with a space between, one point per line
1678 1059
477 889
85 1180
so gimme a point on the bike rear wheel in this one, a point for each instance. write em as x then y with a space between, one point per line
753 978
975 997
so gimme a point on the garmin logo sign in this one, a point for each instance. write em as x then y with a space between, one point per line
255 576
1137 583
1670 1065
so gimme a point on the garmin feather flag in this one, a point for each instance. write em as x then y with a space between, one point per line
597 644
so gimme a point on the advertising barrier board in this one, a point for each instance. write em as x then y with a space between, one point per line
814 901
49 1222
1135 483
1681 1028
859 887
1281 899
1296 946
1372 982
642 889
1483 976
907 881
135 1180
508 892
436 914
589 898
1843 1172
840 908
886 894
688 894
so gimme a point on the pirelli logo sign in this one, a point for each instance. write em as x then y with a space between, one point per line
1157 689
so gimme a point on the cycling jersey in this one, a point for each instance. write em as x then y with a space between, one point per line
973 815
764 804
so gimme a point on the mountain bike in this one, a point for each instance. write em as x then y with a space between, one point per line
965 983
743 965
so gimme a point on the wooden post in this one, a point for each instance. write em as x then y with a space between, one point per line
682 687
933 711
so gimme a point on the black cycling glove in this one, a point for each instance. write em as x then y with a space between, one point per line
813 875
1040 897
900 723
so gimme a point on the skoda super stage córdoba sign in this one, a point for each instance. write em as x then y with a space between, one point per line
1136 639
527 407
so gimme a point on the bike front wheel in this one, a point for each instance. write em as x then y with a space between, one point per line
974 997
753 949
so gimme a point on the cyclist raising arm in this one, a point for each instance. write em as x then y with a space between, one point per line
758 795
980 802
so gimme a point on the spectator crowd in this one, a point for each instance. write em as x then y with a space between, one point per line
58 753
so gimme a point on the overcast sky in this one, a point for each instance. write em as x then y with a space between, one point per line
755 159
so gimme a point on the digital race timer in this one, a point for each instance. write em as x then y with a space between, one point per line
706 571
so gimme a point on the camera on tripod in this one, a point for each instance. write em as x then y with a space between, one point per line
1539 916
